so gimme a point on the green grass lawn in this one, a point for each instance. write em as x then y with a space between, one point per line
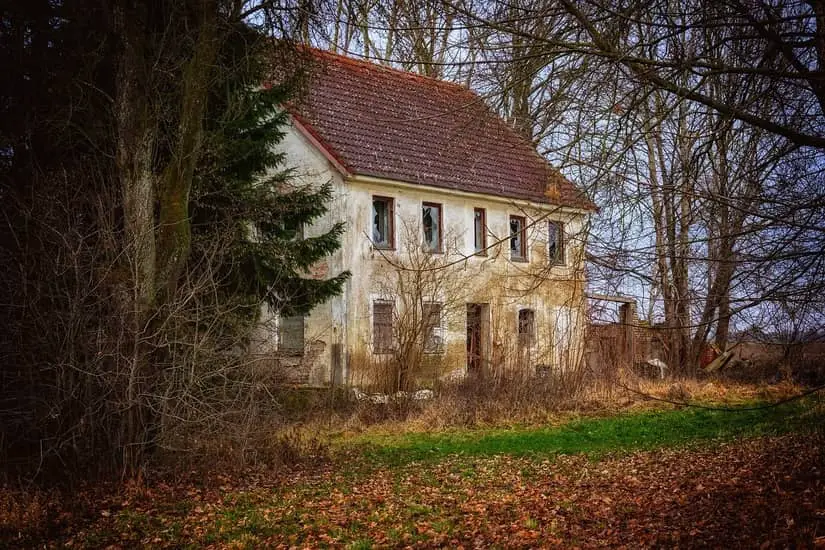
596 436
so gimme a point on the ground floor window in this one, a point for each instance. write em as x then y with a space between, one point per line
382 327
433 328
291 334
526 327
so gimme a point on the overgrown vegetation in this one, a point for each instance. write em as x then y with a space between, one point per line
644 478
146 222
598 436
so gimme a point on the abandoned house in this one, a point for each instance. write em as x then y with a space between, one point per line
465 246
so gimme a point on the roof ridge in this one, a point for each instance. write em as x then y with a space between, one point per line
369 63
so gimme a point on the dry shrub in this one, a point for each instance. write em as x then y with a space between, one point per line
395 410
508 400
678 392
262 430
486 401
270 446
710 390
26 516
293 447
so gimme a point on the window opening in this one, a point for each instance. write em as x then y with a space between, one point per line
526 327
382 325
433 334
431 222
383 232
480 231
555 243
518 240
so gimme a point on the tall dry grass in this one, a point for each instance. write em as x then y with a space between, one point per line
501 401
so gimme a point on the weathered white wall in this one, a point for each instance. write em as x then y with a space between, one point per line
493 279
326 326
507 286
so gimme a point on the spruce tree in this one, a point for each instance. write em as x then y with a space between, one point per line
248 214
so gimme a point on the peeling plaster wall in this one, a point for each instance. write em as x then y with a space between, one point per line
325 328
555 293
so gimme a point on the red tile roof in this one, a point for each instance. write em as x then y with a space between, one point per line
377 121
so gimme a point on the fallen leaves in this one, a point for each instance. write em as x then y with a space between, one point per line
766 493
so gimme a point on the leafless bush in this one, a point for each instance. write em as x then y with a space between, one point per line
63 332
78 371
425 293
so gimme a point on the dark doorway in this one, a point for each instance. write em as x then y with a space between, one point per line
478 324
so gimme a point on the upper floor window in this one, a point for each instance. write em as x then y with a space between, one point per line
555 243
433 329
518 238
431 221
383 230
480 231
526 327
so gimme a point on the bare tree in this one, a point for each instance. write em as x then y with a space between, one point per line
427 294
781 46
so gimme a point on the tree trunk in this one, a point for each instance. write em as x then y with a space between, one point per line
174 232
136 135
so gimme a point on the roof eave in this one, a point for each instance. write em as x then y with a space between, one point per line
315 139
381 180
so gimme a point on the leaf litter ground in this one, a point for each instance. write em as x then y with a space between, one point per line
618 482
765 492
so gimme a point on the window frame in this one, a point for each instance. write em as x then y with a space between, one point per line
559 257
440 207
482 250
291 350
390 345
390 202
436 329
522 257
526 338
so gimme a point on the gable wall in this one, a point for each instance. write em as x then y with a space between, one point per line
325 328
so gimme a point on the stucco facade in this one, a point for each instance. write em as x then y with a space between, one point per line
479 296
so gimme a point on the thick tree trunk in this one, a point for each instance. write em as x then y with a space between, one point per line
136 135
654 151
174 231
723 326
155 253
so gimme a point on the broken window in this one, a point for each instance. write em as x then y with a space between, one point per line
526 327
433 334
292 230
518 238
480 231
382 338
555 243
291 334
383 232
431 221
